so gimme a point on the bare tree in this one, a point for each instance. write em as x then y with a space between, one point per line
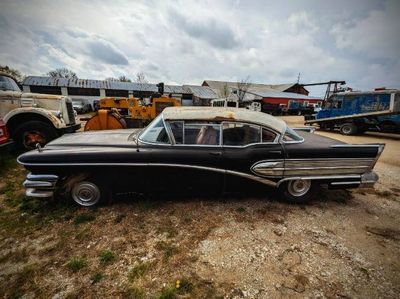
12 72
62 73
124 78
224 91
141 81
242 87
141 78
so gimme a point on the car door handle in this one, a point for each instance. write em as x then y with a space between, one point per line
215 153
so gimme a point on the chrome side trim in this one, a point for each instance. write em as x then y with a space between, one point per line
269 168
358 145
325 177
241 174
346 183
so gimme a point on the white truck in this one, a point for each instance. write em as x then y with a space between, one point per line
33 118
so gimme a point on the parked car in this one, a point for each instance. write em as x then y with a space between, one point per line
81 106
33 118
6 144
196 149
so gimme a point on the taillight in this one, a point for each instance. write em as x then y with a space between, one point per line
2 132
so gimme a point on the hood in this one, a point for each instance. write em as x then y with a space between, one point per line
96 138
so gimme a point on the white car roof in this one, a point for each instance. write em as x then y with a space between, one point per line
224 114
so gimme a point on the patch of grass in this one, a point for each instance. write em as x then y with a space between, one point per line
119 218
107 256
134 293
168 293
139 270
83 218
77 263
168 249
96 277
84 234
184 286
241 210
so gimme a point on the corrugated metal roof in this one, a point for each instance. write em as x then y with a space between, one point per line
218 85
202 92
99 84
286 95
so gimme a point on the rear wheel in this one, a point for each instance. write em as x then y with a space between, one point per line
297 191
348 129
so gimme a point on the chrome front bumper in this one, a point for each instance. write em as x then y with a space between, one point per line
40 185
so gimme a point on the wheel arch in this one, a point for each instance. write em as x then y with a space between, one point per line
14 118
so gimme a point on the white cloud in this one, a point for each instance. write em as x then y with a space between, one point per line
189 41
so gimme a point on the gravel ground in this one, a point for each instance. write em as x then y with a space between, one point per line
344 244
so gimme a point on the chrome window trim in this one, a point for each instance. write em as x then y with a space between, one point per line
155 143
251 144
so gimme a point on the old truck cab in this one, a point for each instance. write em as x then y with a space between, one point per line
33 119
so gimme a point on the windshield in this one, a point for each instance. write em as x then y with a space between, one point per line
7 83
291 135
155 132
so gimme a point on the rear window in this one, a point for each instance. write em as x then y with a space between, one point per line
291 135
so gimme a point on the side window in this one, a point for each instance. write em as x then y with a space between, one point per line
238 134
267 136
205 134
155 132
177 131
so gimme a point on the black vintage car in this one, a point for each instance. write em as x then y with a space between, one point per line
198 149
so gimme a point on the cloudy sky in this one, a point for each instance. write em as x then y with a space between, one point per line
187 42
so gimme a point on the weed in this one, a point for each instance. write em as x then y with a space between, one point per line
138 271
77 263
241 210
184 286
82 218
96 277
169 249
107 256
134 293
83 235
119 218
168 293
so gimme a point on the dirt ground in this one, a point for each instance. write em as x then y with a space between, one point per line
344 244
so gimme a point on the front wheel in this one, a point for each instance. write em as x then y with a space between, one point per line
86 191
297 191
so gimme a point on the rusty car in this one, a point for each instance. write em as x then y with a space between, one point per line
196 150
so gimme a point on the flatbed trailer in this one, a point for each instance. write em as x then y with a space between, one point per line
356 112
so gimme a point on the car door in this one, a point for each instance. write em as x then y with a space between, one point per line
252 156
193 163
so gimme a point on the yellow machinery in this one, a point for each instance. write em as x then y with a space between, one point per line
121 113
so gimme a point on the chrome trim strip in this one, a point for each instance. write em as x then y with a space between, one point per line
241 174
326 177
357 145
269 168
346 183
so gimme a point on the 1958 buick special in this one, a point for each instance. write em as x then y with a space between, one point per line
198 149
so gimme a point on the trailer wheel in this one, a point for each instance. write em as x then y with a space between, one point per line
348 129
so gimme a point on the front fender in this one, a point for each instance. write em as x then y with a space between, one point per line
57 123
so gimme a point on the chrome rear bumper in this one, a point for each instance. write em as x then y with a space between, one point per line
40 185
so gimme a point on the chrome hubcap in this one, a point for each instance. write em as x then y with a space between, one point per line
299 187
86 194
